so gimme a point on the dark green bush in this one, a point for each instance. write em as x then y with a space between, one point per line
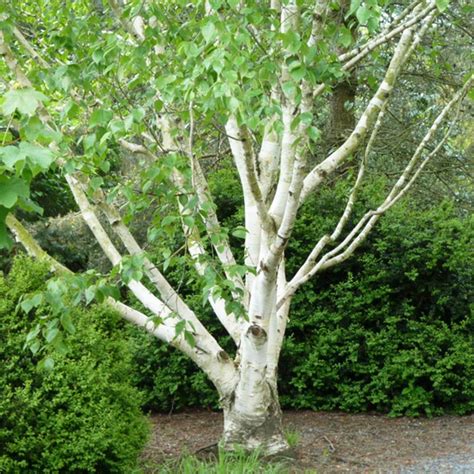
84 416
390 330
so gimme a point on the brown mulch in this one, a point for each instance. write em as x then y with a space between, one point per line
328 442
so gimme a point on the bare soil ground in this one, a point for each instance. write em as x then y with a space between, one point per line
336 442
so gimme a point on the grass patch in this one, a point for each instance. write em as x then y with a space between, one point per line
292 437
238 462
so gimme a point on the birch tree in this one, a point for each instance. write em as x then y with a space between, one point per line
173 83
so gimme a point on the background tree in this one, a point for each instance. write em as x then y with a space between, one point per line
175 83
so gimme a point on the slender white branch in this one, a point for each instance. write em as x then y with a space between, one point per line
362 229
27 45
353 57
24 237
289 22
299 277
380 98
167 292
244 157
213 227
195 247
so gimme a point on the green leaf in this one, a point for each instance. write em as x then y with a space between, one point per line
209 31
179 328
306 118
90 293
51 333
291 42
26 101
441 5
33 333
67 324
29 206
5 240
59 345
363 14
188 335
35 130
11 155
239 232
35 347
100 117
46 364
345 37
28 304
39 158
314 134
11 189
355 4
138 114
188 220
298 73
289 89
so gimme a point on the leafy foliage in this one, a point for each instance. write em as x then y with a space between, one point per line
83 416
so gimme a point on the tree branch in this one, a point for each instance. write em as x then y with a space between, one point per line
219 369
360 232
380 98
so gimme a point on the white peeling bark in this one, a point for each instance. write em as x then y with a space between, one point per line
253 418
268 161
288 150
277 327
256 214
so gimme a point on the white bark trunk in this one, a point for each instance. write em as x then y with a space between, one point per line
251 430
252 414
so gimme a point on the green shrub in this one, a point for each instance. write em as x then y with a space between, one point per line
391 329
84 416
168 379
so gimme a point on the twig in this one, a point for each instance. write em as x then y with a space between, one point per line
332 449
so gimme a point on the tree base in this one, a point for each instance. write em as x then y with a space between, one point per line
250 432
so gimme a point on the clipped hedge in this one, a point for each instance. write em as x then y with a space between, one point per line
390 330
84 416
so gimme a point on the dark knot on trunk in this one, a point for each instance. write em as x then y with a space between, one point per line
223 356
257 333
